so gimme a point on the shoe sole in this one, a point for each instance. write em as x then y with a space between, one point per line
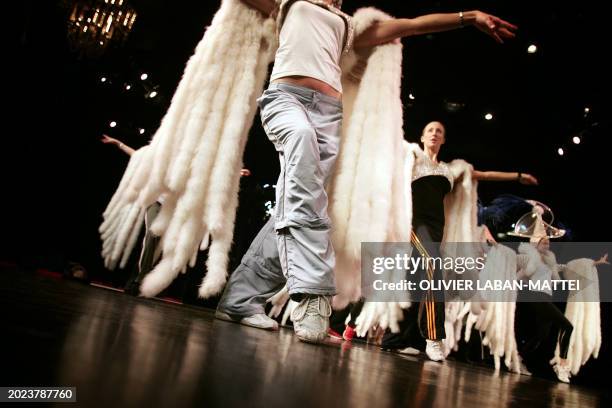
408 353
317 340
273 328
335 337
224 316
310 341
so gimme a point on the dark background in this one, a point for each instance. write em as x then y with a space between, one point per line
58 177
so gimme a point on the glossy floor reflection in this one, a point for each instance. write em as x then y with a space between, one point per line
124 351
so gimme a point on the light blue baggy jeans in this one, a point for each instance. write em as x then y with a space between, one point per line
295 245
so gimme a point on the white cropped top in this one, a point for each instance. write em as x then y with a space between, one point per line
310 44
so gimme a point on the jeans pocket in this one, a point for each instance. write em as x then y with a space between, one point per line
266 103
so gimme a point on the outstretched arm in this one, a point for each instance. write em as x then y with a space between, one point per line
125 148
389 30
266 7
522 178
602 261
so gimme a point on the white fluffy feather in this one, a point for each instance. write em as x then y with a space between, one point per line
195 156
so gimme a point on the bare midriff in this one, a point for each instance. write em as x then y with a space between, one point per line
311 83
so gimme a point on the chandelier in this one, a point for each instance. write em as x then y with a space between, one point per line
93 25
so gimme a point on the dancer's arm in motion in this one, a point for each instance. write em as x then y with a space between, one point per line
522 178
125 148
389 30
602 261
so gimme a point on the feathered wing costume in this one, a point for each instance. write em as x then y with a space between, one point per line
195 157
494 318
367 198
583 311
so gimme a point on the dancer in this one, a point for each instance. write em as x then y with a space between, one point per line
579 331
536 262
194 156
302 112
432 180
149 252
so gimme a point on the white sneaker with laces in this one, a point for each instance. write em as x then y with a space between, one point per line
311 318
435 350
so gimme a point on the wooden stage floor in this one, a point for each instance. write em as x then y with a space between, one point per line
124 351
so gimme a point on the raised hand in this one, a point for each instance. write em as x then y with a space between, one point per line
602 260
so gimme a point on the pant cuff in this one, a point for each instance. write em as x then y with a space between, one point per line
329 291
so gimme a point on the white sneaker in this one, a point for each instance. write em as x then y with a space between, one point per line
259 320
311 319
411 351
435 350
563 372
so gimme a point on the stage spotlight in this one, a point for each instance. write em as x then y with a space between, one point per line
144 77
489 116
153 94
560 151
532 49
103 79
576 140
112 124
141 131
128 87
411 97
